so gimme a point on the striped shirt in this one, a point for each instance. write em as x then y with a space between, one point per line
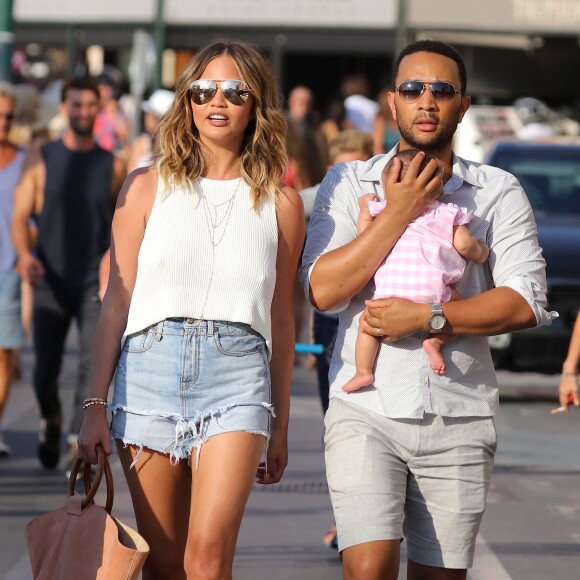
405 386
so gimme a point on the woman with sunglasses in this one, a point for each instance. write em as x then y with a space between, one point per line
197 318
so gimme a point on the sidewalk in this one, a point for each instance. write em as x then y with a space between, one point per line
283 526
281 535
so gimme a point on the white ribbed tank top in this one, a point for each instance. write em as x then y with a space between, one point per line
174 271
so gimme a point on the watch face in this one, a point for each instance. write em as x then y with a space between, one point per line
437 321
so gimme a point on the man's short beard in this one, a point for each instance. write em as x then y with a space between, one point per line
441 141
81 131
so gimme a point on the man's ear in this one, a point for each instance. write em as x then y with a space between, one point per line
391 99
465 102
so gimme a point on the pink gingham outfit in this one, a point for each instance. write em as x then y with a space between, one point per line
423 263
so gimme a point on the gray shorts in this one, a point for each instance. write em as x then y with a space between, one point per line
10 306
424 479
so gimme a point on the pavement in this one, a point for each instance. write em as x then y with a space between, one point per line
281 535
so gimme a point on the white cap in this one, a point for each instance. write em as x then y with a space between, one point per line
159 102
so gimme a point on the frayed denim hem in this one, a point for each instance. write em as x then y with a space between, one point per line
189 433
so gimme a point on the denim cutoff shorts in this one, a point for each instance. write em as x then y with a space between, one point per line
184 380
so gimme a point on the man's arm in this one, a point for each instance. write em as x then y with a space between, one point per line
518 269
26 204
342 272
496 311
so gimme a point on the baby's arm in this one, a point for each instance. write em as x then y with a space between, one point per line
468 246
364 215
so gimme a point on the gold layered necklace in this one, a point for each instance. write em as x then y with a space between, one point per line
217 217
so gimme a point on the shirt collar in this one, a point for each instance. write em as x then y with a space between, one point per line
460 172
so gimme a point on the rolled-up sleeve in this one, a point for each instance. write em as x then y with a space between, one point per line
332 222
516 259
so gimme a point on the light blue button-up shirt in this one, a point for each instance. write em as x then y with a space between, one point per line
405 386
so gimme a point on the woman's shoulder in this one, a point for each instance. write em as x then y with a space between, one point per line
288 198
289 208
141 183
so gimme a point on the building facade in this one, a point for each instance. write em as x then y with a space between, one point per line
512 48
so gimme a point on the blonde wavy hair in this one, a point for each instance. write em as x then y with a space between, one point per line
177 146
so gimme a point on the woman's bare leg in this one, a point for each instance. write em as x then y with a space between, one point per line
221 486
161 498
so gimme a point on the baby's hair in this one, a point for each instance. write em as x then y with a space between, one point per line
406 156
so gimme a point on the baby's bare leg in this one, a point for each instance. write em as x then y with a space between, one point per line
365 352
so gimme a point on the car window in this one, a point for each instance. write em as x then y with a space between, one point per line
551 179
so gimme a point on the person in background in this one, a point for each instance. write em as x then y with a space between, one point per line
360 110
349 145
153 108
197 323
112 127
69 186
569 378
11 163
304 126
385 130
334 120
306 166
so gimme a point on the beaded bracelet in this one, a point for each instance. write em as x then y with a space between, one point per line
569 374
94 401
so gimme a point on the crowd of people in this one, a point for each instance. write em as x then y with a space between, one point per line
182 256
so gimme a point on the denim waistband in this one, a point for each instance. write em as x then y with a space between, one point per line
182 325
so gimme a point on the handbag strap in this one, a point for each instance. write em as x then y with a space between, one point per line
91 489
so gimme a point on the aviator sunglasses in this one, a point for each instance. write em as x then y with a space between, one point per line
203 91
410 91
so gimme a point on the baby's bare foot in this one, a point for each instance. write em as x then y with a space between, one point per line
359 381
433 351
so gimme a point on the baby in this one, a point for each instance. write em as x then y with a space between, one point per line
426 260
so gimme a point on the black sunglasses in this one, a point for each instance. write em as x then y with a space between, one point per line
203 91
411 91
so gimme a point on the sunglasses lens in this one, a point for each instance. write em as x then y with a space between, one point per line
442 91
235 92
410 91
202 91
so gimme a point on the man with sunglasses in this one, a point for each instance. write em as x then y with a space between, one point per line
411 455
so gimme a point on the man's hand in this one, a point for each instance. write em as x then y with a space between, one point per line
569 391
411 195
31 269
394 318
